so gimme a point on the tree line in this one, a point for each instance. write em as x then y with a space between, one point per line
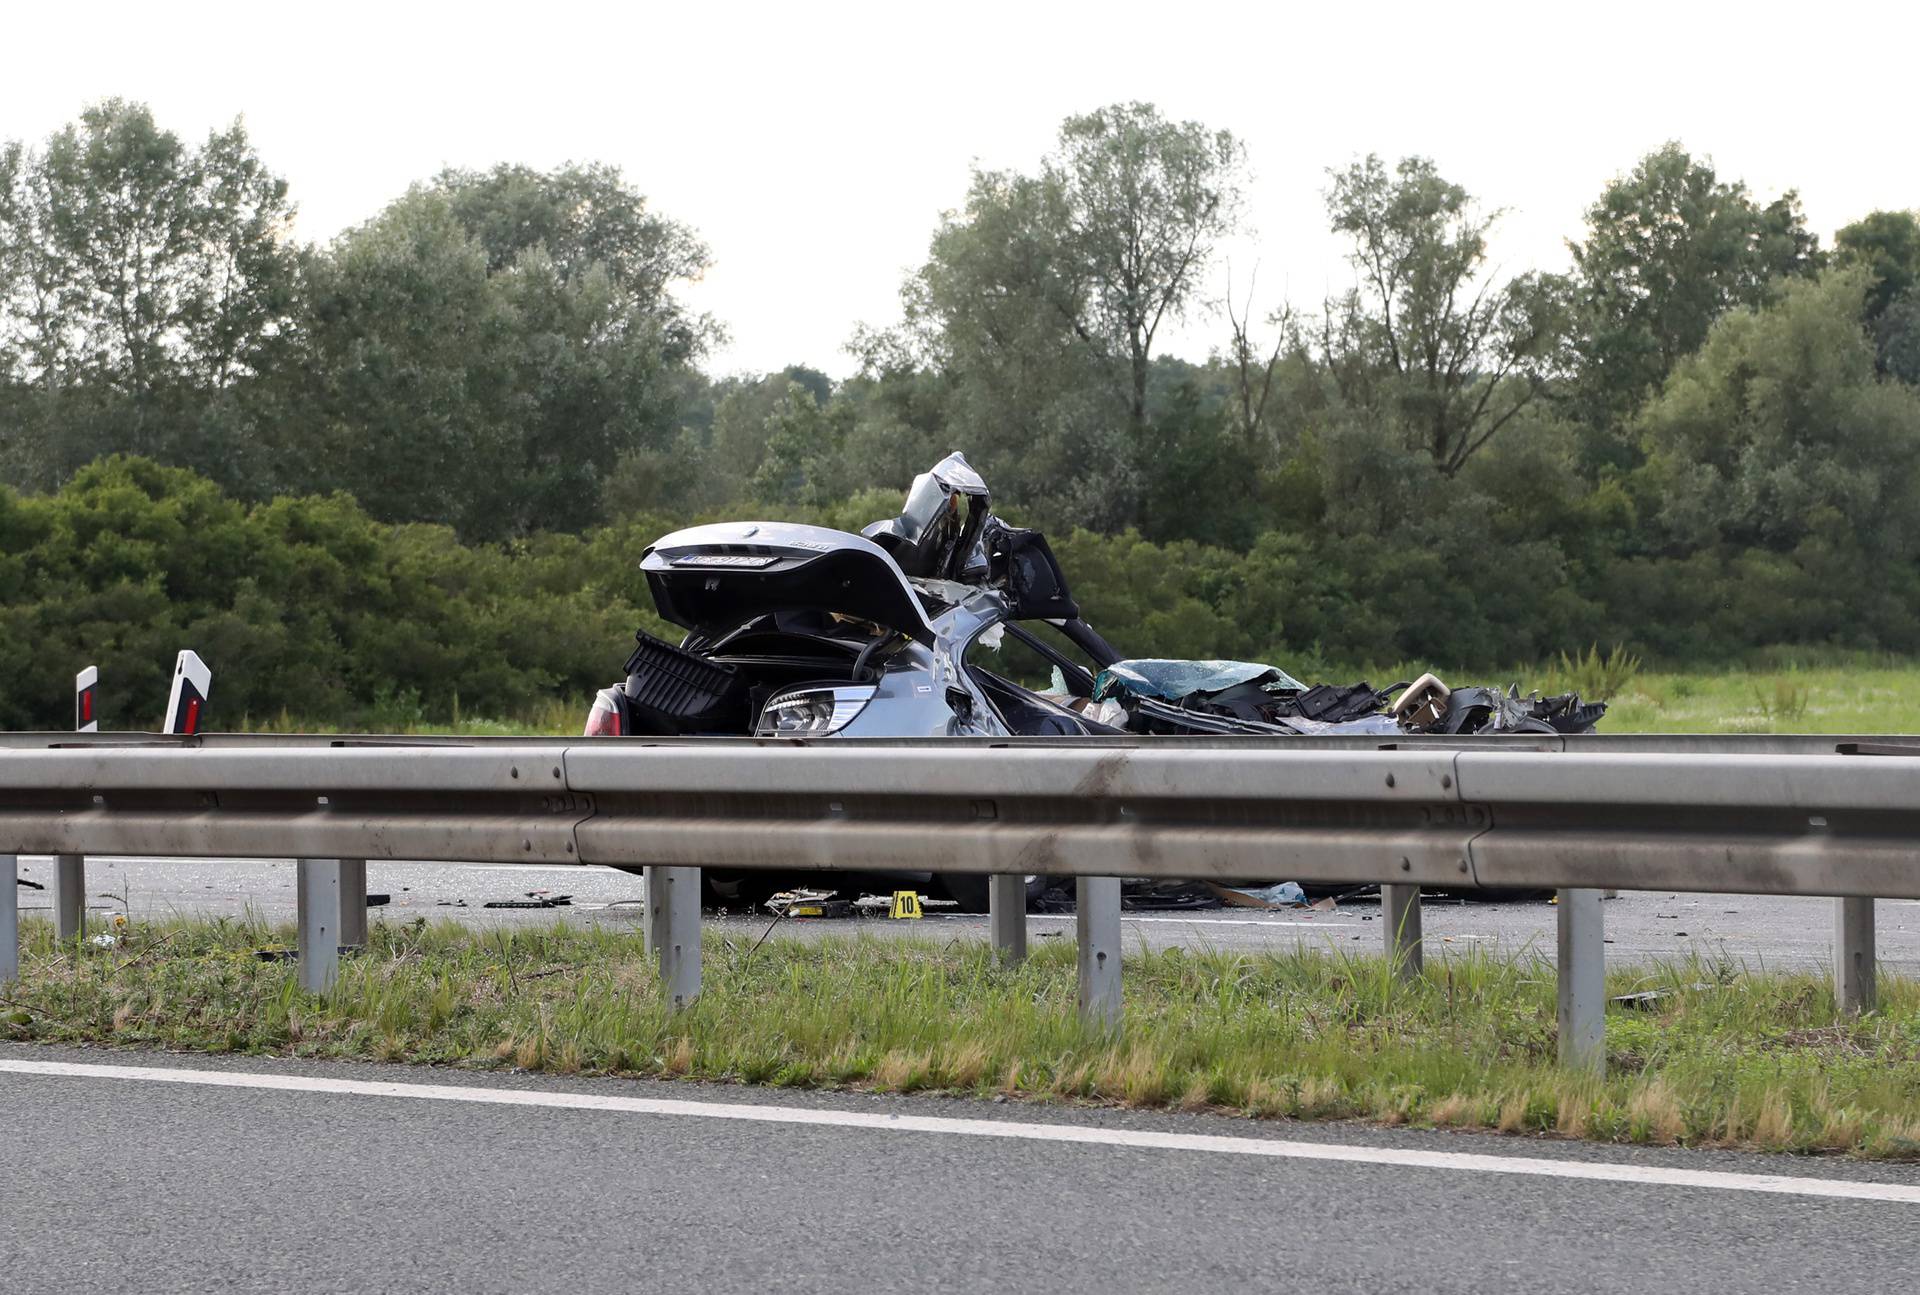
1699 439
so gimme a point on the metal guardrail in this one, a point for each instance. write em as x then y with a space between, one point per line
1579 815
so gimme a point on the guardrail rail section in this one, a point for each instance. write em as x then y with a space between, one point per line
1832 816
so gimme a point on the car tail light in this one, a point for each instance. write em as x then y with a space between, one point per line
812 712
604 719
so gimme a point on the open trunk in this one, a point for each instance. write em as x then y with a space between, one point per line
721 688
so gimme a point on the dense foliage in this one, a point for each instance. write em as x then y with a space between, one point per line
420 460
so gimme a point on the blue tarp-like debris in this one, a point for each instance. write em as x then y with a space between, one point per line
1172 680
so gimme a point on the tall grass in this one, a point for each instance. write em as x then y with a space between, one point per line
1722 1058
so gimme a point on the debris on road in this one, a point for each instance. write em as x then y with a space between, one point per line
30 885
534 899
1285 894
1138 894
808 903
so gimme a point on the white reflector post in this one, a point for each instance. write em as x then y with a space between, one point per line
191 683
86 717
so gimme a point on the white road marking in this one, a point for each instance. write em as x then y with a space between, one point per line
1458 1161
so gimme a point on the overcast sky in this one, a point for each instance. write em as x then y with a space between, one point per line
813 146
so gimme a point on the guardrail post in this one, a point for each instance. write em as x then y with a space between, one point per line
1007 916
69 896
1854 987
353 903
673 931
9 919
317 894
1582 981
1400 909
1096 922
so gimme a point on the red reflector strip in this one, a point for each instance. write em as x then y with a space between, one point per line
193 716
86 706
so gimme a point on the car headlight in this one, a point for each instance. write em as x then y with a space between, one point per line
812 712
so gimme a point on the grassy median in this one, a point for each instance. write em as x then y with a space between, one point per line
1719 1057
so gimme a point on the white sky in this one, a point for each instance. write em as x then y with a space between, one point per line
813 146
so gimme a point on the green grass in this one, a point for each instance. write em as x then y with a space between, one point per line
1882 699
1751 1061
542 717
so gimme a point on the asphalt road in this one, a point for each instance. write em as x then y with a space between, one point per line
1750 930
114 1183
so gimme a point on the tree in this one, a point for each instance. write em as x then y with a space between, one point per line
1430 337
1896 339
1887 243
1669 249
587 220
1043 299
1144 199
1778 434
805 440
139 278
486 351
404 396
1253 375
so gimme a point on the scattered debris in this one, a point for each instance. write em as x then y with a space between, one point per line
1143 895
1285 894
104 940
1648 997
808 903
30 885
534 899
375 901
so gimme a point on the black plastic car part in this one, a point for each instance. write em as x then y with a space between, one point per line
671 691
1034 581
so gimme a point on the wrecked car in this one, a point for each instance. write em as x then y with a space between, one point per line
947 621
